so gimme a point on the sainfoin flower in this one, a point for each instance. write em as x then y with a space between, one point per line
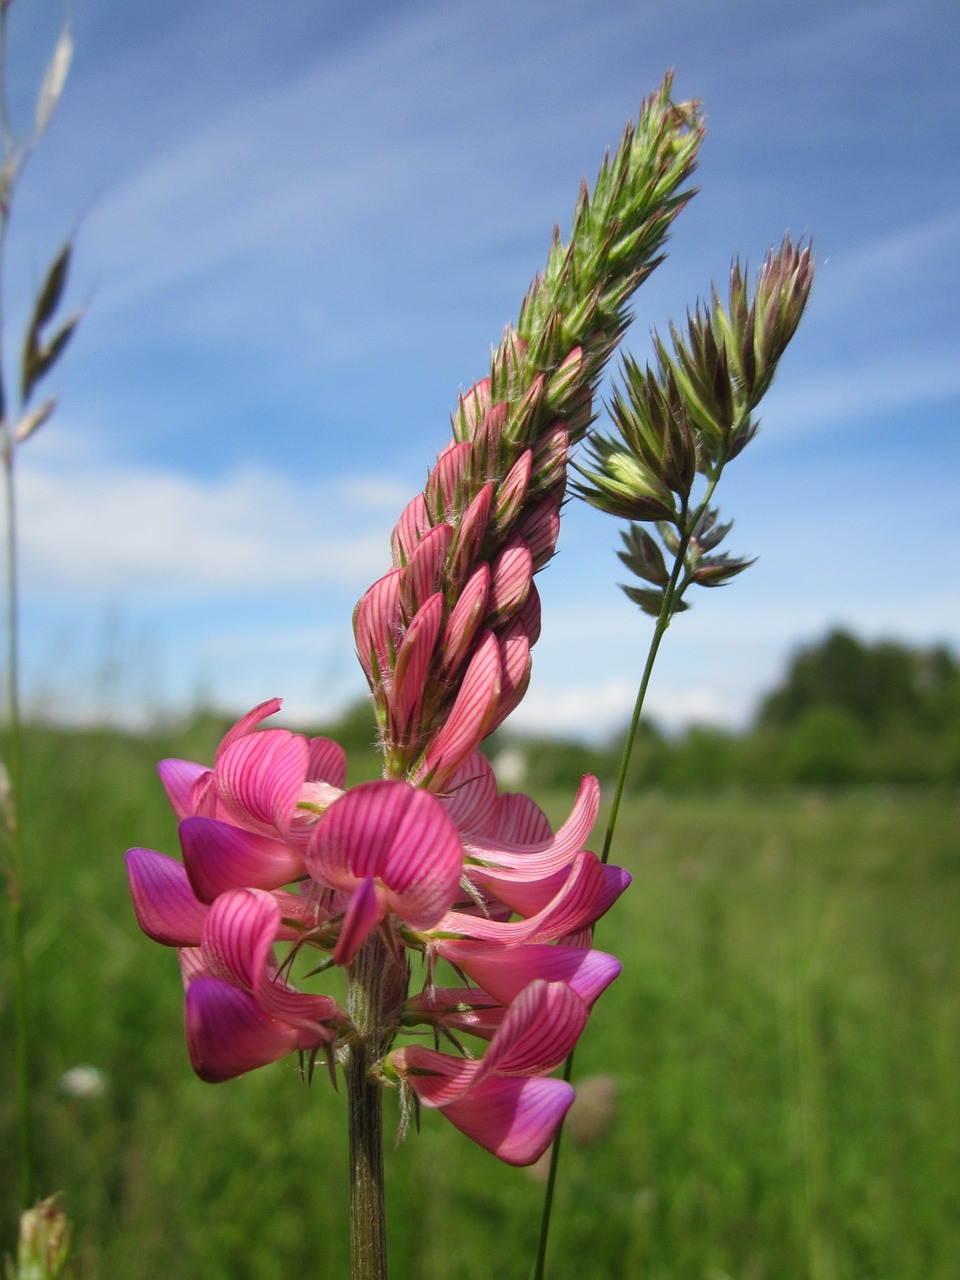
275 853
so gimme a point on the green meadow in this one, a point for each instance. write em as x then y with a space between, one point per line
783 1047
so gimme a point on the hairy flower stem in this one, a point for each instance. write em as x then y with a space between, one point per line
376 990
672 595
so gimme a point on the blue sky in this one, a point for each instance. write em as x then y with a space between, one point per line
301 226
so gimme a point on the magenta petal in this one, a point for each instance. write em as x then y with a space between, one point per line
246 724
470 717
505 971
436 1078
363 913
326 762
228 1034
398 834
543 858
539 1029
178 778
514 1118
471 797
238 935
260 776
219 856
166 907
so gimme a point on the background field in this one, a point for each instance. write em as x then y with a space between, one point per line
785 1041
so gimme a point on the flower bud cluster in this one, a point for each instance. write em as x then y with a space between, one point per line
275 851
445 637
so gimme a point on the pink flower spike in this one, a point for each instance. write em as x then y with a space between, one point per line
228 1033
219 856
259 777
397 835
514 1118
163 900
470 716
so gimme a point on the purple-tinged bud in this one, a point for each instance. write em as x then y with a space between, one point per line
528 615
510 579
464 621
550 460
566 380
413 524
515 667
539 526
469 535
377 625
472 406
422 576
443 494
469 719
414 660
522 425
512 494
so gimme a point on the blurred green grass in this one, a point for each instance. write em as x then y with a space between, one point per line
785 1039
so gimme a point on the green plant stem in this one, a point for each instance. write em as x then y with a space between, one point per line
377 988
672 595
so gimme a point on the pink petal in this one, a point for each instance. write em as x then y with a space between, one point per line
589 890
521 821
436 1078
228 1034
512 494
540 528
471 798
166 907
398 834
471 408
513 1118
326 762
515 666
219 856
246 724
540 1027
414 660
259 777
528 615
469 534
444 491
238 935
546 856
505 971
178 778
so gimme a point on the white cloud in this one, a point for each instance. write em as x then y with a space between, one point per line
163 534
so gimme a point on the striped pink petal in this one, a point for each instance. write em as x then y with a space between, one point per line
471 797
515 667
163 900
544 856
471 407
444 490
398 835
589 890
326 762
528 615
229 1034
511 576
246 724
259 777
505 971
514 1118
469 535
512 494
219 856
436 1078
541 1026
540 527
414 661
